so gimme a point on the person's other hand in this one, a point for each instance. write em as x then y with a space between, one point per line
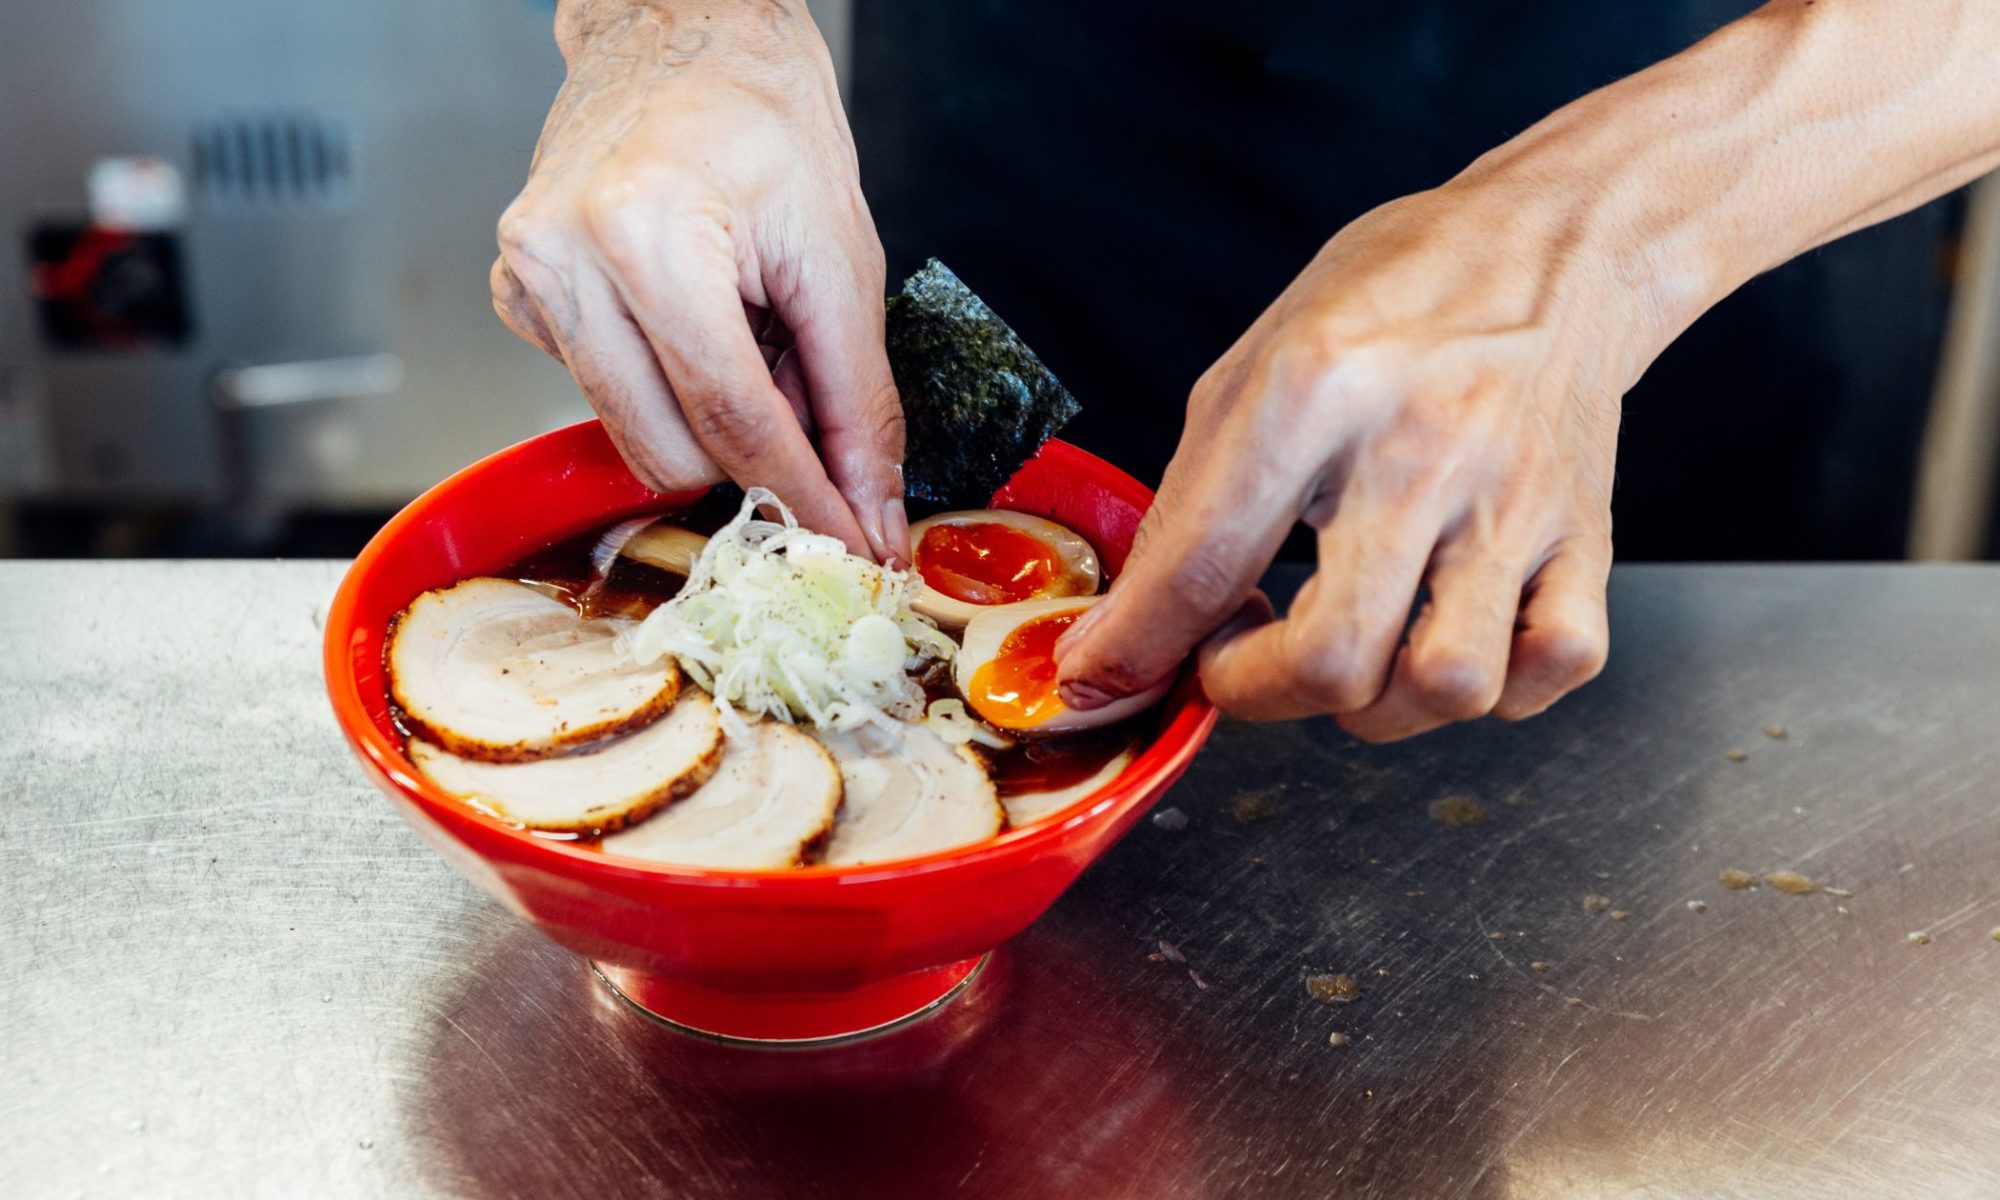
693 244
1438 396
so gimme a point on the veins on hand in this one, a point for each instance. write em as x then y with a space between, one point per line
638 48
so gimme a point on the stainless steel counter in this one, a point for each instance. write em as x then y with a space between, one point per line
227 969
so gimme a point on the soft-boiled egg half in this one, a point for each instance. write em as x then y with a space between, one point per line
975 560
1006 669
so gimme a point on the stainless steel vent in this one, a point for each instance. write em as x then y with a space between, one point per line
273 159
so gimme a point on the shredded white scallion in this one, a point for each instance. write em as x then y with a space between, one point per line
948 719
778 621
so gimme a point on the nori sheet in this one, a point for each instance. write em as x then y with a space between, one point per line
976 401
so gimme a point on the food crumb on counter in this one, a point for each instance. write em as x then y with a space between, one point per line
1838 893
1737 881
1573 1001
1173 820
1339 1039
1791 883
1736 754
1919 938
1252 807
1496 936
1594 903
1995 935
1619 914
1776 733
1458 812
1539 965
1697 906
1332 989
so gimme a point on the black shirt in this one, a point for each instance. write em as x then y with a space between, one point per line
1130 184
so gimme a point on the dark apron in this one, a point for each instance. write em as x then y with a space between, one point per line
1130 184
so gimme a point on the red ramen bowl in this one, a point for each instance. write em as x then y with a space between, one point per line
798 955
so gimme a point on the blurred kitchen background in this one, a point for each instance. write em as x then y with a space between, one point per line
244 247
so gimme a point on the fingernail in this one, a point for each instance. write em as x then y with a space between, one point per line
895 532
1073 636
1083 697
869 518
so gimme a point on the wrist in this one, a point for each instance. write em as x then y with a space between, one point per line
580 24
1580 225
1645 187
1783 131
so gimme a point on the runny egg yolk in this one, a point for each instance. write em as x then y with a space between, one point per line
986 562
1017 689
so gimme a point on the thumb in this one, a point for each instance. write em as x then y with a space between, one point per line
836 320
1201 548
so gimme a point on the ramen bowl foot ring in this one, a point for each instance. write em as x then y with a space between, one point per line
798 1018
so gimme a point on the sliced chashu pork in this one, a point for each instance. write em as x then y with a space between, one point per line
1023 807
601 789
493 669
907 792
768 805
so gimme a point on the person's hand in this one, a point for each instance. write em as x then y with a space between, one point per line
1438 393
1438 396
693 244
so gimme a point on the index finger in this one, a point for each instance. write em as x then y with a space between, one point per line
836 314
1203 547
692 316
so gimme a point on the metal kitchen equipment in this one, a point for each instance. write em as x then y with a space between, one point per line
231 970
313 328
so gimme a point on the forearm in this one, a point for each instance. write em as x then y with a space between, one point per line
1802 122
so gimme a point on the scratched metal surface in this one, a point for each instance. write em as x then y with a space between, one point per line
230 971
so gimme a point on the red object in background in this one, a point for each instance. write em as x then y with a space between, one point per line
809 953
107 289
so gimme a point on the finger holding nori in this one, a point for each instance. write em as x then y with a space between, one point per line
976 401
